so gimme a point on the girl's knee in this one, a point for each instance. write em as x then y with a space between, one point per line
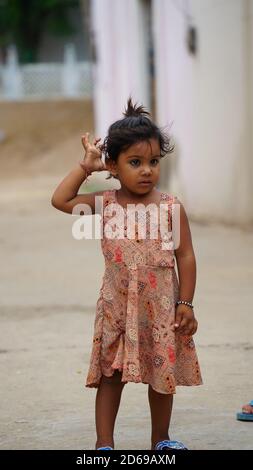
114 379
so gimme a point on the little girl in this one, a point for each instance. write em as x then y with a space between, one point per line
144 318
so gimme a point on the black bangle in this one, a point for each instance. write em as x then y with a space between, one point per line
184 303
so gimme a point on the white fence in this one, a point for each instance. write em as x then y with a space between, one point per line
45 80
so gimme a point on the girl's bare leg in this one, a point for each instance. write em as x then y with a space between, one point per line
160 408
107 405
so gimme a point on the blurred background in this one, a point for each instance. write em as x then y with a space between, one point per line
67 67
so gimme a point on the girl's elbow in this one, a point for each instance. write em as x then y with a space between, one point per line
185 254
55 203
61 206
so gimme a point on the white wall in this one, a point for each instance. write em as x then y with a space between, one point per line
119 29
209 100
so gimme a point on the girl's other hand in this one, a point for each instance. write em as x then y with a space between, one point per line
93 152
185 321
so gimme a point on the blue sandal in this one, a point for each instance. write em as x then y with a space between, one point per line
242 416
105 448
164 445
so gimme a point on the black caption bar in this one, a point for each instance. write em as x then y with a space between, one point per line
108 459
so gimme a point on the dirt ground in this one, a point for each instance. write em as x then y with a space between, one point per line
42 138
49 285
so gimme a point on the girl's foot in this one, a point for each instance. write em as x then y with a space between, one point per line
104 444
105 448
166 445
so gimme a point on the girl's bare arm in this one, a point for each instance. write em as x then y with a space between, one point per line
186 262
66 196
185 321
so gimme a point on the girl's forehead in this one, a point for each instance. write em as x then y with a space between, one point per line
144 148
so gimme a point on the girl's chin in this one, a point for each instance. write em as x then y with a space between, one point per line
144 187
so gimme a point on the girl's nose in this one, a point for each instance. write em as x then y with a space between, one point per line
146 170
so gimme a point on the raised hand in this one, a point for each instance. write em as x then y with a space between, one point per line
92 158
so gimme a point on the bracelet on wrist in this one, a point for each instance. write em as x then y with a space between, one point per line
184 302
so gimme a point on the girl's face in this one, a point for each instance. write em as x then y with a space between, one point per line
138 167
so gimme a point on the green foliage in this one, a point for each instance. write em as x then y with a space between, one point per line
22 22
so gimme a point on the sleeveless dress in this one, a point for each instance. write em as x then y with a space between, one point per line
135 312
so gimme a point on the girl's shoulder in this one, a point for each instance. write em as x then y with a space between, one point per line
171 198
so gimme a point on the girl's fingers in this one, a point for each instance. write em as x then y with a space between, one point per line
178 320
183 324
85 139
86 143
195 327
191 328
188 331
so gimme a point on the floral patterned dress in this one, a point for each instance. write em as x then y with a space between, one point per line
135 313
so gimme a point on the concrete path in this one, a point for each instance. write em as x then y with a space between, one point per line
49 284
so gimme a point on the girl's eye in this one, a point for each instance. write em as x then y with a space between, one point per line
134 162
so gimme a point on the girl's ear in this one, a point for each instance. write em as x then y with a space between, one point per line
111 166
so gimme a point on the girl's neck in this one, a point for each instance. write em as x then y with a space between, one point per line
124 197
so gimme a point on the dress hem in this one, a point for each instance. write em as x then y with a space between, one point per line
171 392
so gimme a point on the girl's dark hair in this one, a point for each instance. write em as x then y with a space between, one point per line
136 126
